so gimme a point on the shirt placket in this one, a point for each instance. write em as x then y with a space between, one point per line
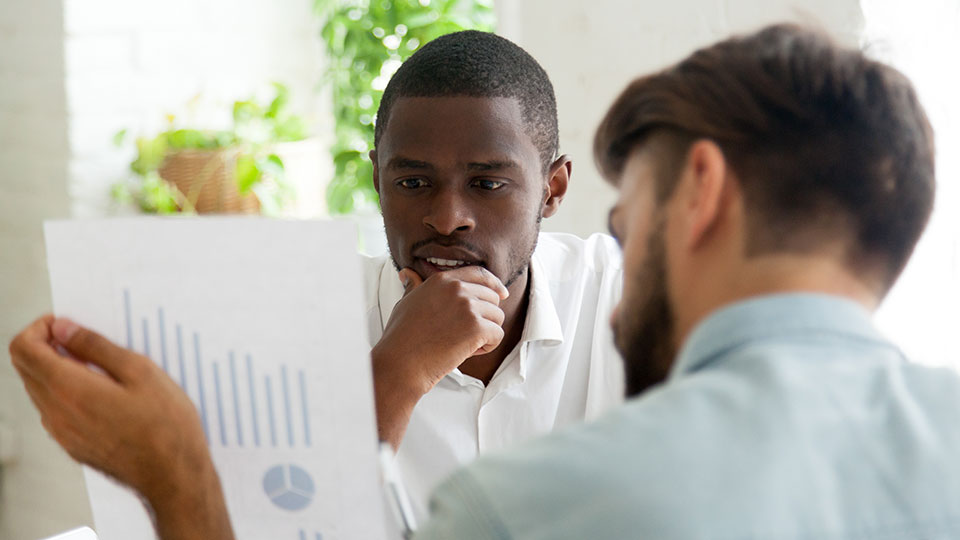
494 427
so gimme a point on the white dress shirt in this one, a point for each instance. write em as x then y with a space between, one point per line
564 369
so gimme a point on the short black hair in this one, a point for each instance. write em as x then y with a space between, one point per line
478 64
826 142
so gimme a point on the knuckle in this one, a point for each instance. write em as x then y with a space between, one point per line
464 303
144 369
477 325
15 346
456 286
21 344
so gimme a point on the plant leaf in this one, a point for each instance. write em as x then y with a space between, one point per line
119 137
246 173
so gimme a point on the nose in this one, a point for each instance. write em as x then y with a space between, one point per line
450 212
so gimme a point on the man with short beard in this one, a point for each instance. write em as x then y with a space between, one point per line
772 188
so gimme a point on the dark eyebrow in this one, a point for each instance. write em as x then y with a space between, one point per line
495 165
400 162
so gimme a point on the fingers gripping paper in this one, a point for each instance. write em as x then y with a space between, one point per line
260 323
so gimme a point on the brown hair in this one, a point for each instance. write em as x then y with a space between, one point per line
823 140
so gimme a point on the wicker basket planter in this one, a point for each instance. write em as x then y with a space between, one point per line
206 178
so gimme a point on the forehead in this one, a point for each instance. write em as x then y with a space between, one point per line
457 129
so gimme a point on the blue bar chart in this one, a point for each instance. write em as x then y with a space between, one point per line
227 392
260 323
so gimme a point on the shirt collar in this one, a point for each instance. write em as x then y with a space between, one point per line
391 291
767 316
541 324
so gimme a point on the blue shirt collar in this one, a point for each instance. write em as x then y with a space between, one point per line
765 316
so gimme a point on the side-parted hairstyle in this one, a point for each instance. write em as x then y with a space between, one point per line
478 64
825 142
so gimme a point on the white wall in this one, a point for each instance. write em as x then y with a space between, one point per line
591 50
72 73
129 62
922 38
38 494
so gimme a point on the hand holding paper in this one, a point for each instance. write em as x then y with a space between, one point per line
129 421
254 324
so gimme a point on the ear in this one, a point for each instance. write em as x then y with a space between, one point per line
703 196
557 183
376 170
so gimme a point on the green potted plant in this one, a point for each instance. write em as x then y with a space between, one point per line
234 170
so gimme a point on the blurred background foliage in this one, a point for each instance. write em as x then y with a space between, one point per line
366 41
257 128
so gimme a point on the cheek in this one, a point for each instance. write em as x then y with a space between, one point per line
511 220
399 215
634 256
615 314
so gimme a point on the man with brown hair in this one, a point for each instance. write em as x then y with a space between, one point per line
772 187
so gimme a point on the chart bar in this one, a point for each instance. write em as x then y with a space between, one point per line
181 361
273 426
303 404
163 341
289 384
236 399
303 534
253 402
203 402
216 389
146 337
286 404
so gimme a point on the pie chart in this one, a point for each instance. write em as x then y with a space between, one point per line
288 486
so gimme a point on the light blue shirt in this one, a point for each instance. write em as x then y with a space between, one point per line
785 417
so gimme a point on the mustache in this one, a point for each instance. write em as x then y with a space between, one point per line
450 241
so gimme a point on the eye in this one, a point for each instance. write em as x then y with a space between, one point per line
412 183
488 184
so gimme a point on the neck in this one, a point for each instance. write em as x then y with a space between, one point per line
515 314
774 274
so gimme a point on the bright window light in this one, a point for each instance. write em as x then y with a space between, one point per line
922 39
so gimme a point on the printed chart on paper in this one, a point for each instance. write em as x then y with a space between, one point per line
260 323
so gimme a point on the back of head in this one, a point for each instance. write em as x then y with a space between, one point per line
478 64
826 143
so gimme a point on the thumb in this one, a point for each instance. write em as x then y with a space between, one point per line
410 280
92 348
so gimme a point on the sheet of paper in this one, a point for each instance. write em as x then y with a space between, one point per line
261 323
